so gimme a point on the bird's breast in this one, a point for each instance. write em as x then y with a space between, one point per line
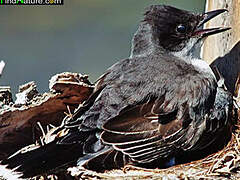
202 66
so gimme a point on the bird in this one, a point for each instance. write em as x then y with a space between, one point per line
161 103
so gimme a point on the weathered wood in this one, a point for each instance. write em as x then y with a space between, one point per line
223 50
18 121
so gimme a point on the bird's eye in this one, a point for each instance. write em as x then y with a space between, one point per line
181 29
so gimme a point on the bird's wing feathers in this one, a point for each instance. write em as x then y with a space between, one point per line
156 116
153 129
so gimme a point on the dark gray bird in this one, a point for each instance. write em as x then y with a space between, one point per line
160 103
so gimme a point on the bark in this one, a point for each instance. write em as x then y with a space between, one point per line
23 122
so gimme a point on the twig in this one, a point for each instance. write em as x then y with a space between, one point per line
2 65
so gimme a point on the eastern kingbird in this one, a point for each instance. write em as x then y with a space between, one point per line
160 102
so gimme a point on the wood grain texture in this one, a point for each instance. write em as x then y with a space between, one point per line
19 120
223 50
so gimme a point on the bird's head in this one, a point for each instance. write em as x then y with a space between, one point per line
174 30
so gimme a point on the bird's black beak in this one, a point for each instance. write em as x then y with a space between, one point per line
205 18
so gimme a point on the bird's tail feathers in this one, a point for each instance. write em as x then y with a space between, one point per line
44 159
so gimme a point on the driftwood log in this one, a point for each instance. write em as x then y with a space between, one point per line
25 121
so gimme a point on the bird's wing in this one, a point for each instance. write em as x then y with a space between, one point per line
138 133
147 114
158 128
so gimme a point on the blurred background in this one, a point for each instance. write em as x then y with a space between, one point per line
84 36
